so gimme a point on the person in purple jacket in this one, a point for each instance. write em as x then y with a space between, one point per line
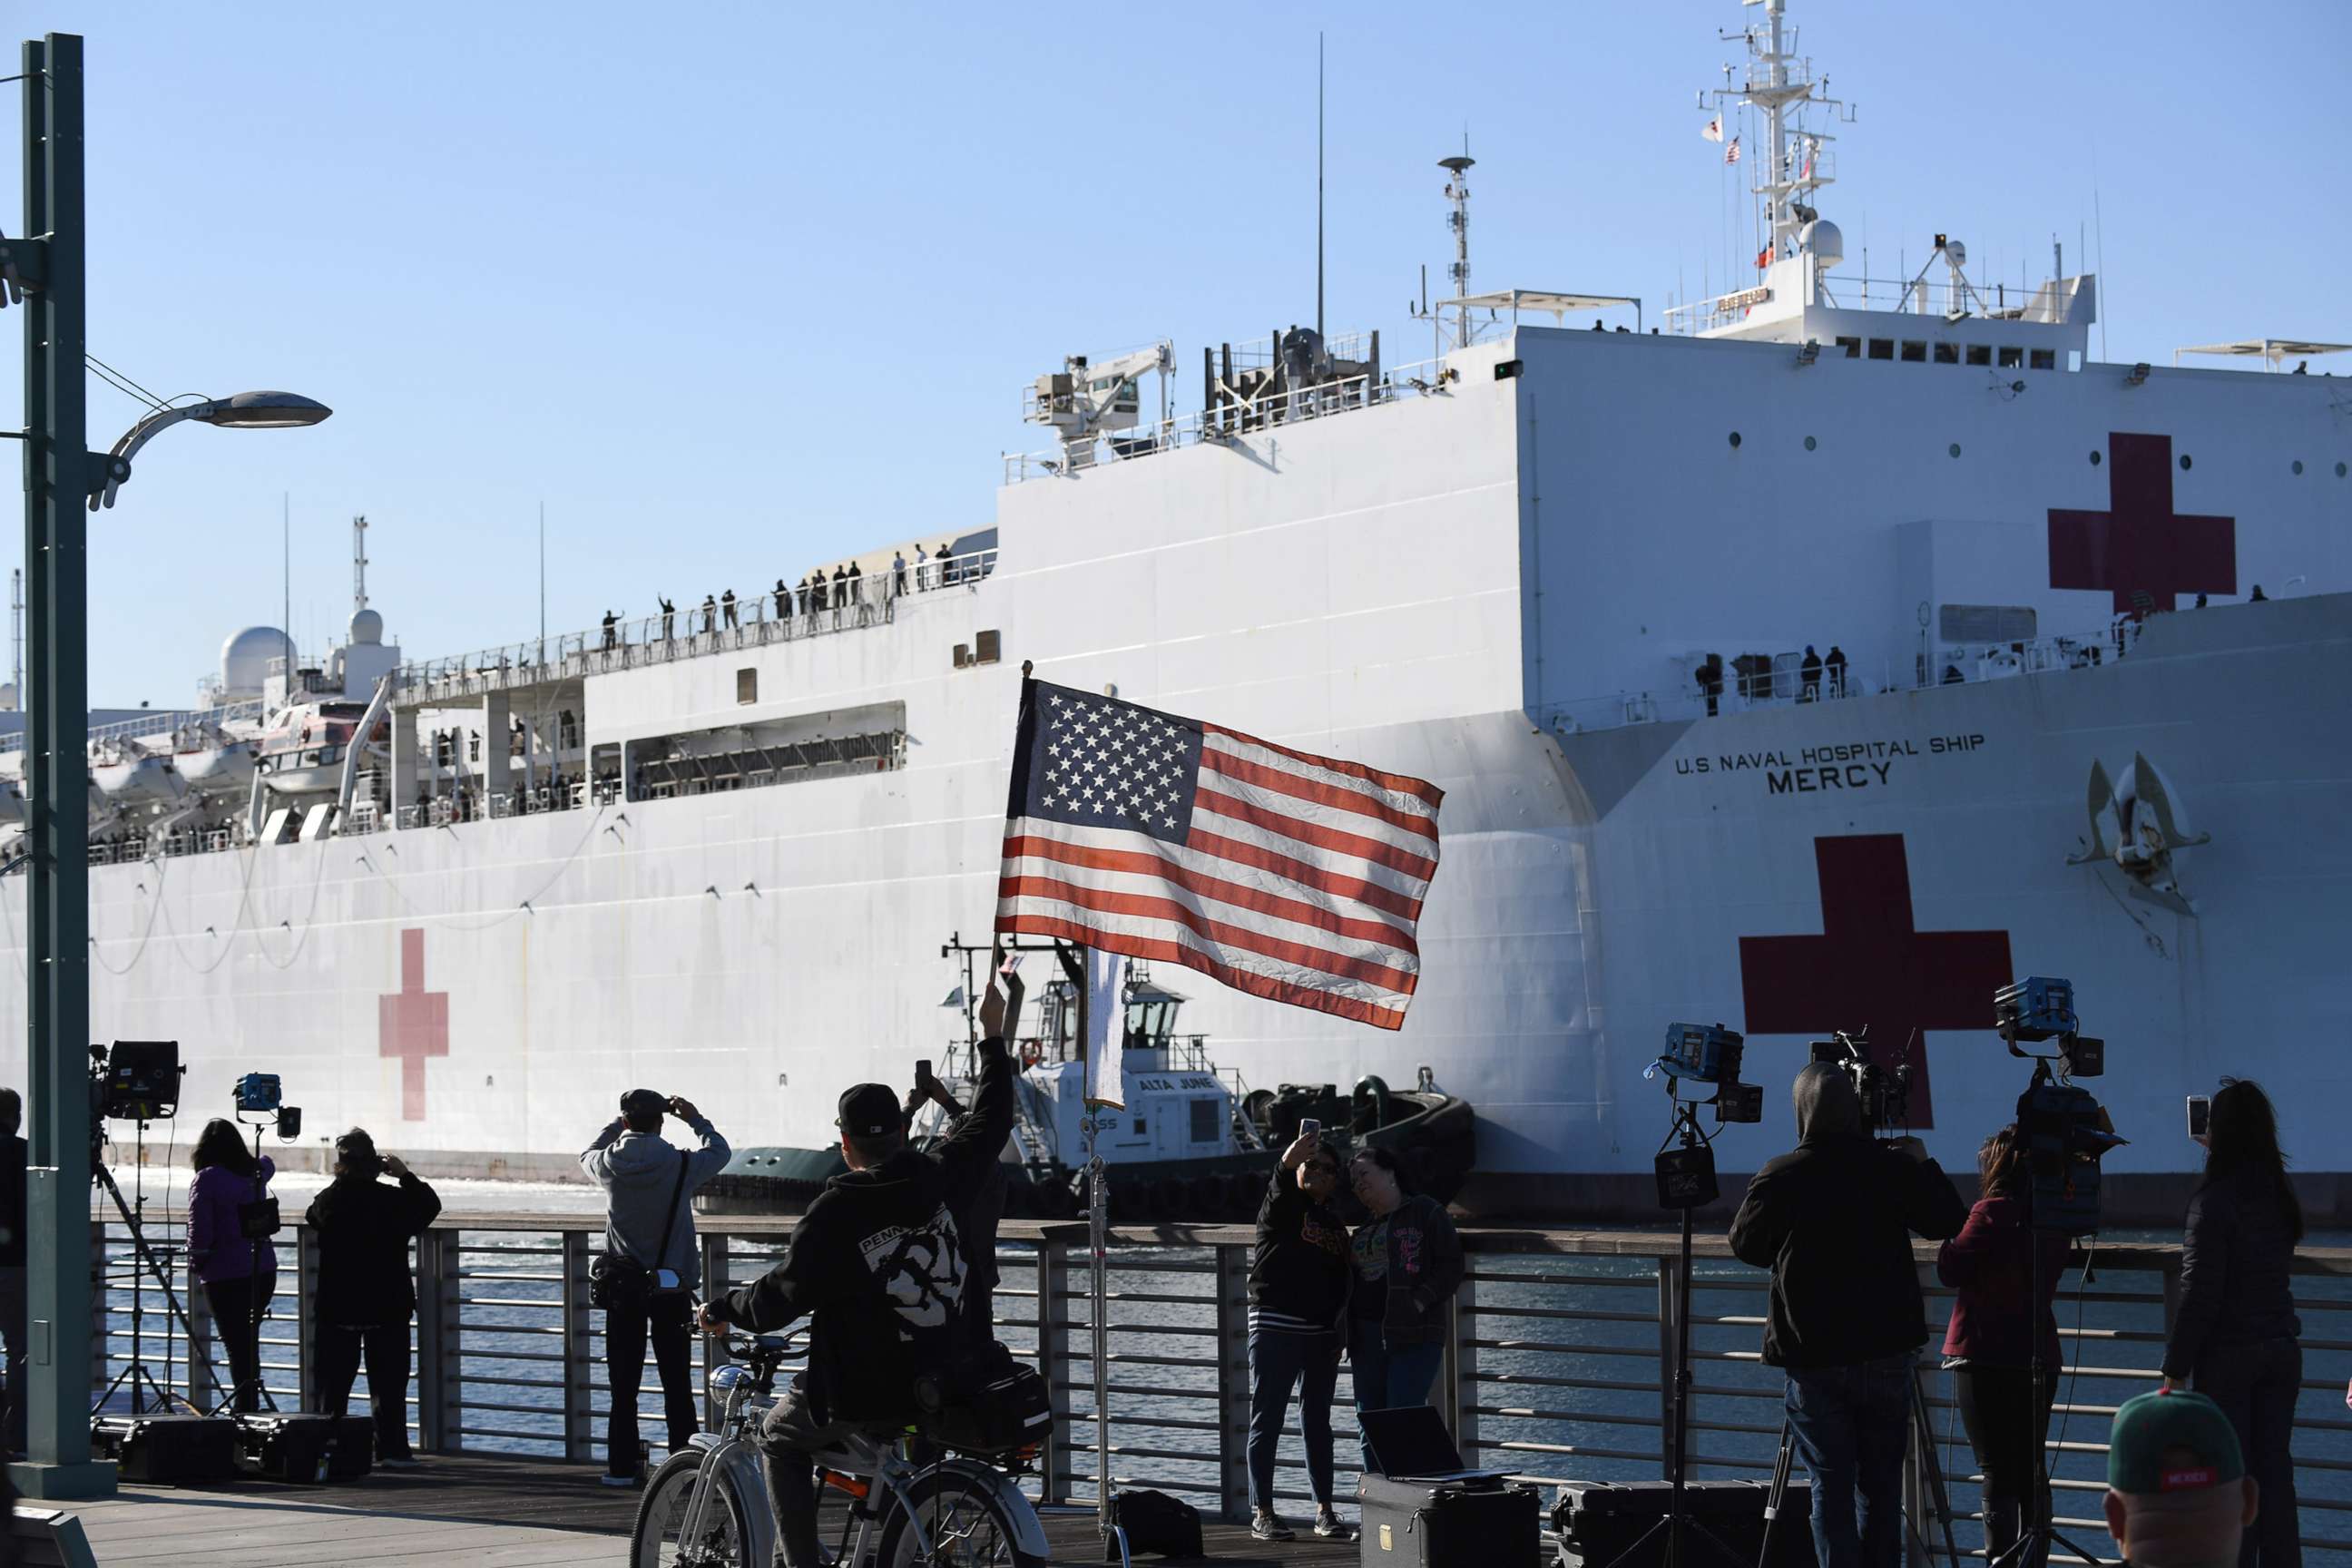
240 1276
1990 1344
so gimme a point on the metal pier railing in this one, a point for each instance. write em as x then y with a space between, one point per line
1558 1364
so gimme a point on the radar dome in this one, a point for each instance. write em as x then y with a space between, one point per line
367 629
245 661
1821 238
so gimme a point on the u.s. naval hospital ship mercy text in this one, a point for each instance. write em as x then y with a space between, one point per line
1824 660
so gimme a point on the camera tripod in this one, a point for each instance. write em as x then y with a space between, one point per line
1923 1438
138 1374
1686 1179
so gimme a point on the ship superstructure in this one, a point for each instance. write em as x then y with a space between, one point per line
1824 661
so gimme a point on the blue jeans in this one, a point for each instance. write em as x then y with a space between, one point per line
1388 1379
1276 1362
1852 1426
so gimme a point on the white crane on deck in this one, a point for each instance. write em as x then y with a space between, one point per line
1085 402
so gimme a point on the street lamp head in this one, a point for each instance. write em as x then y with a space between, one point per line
246 411
263 411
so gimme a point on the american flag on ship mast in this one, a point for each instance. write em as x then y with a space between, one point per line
1289 876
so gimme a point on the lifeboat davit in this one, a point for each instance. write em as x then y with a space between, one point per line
138 778
220 770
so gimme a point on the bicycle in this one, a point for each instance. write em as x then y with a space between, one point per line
707 1506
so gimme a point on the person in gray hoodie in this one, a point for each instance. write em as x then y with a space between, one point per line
648 1190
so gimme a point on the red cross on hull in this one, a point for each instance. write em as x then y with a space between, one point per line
2139 544
412 1024
1870 967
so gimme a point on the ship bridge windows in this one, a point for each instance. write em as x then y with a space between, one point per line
1914 351
2041 359
1849 347
1882 348
800 749
2011 358
1981 354
1947 353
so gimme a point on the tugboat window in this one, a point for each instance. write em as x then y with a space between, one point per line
1205 1120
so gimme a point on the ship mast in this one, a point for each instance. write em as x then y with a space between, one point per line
359 565
1791 164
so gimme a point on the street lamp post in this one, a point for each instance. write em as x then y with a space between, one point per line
56 883
63 482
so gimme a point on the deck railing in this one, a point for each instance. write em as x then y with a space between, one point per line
1559 1358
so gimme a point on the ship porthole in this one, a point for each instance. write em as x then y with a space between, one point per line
2184 462
1956 449
2298 465
2339 471
1811 443
1735 438
2095 460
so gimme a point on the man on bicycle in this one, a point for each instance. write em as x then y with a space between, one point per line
878 1266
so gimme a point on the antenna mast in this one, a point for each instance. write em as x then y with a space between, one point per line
1458 191
1318 184
359 565
17 630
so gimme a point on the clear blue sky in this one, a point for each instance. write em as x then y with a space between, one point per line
736 288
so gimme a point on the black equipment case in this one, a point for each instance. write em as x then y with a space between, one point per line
294 1447
166 1450
1424 1510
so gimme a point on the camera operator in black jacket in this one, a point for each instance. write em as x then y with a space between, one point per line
1832 1219
877 1263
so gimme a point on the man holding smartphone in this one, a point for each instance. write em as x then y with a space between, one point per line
649 1216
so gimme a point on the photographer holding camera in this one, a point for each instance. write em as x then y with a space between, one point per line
2236 1331
877 1263
366 1289
1832 1220
646 1279
987 1205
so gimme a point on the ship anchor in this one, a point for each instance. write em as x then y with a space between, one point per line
2134 825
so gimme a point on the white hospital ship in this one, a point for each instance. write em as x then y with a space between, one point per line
2084 634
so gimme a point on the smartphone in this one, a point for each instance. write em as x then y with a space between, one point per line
1309 1128
1012 963
2200 1108
923 1069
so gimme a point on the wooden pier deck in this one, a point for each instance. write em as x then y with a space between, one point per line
498 1513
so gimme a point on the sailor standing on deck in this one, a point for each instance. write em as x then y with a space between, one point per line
1810 672
649 1196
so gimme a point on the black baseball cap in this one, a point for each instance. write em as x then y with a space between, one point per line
644 1103
871 1110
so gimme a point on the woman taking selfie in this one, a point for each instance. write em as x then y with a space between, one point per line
238 1275
2235 1333
1991 1342
1408 1264
1299 1298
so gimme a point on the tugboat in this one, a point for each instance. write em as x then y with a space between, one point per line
1193 1143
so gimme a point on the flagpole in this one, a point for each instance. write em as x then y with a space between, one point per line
1074 964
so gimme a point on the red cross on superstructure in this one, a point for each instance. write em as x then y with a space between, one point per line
1869 968
2139 544
412 1024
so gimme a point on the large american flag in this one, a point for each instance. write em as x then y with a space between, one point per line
1289 876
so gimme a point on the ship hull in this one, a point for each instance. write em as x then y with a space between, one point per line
1473 587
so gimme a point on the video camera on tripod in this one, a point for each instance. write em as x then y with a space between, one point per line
1702 1053
1884 1092
2065 1130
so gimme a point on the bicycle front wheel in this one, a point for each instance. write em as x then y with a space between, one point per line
964 1522
658 1541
